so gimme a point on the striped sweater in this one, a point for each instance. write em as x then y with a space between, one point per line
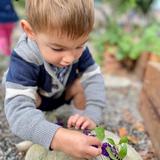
29 73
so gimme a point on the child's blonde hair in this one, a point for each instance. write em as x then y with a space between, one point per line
74 18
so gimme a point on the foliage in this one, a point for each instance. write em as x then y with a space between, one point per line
20 7
128 44
110 148
20 3
150 40
100 133
122 6
144 5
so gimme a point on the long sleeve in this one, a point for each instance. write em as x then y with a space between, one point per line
94 87
24 119
28 122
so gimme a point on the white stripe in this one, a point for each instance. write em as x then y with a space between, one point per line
46 94
87 75
29 92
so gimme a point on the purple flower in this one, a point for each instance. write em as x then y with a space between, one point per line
112 154
104 151
113 149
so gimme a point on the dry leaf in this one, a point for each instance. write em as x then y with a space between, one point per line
122 132
139 127
133 139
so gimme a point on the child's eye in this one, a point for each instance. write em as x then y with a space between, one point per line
81 47
57 50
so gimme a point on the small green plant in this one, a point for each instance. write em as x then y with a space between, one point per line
110 149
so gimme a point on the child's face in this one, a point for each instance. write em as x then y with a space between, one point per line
60 50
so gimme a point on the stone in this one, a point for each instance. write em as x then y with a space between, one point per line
23 146
37 152
117 82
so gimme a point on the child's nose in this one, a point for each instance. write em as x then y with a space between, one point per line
69 58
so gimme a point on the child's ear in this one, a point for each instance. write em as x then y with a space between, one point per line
27 29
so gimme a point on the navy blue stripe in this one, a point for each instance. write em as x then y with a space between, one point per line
85 61
22 72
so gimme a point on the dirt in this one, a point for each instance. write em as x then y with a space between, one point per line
121 116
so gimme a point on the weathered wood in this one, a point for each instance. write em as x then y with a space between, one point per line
151 120
152 85
141 65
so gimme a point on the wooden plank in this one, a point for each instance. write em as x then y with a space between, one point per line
141 65
151 121
152 84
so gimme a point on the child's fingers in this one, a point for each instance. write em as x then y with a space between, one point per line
72 120
94 141
85 125
93 151
80 122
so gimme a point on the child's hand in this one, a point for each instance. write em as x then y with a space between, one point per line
76 144
80 122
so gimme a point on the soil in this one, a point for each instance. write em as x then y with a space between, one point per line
121 116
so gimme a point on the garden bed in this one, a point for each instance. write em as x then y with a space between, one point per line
121 116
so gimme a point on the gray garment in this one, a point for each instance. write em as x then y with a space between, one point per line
28 122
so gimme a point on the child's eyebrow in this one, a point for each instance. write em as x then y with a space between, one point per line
59 45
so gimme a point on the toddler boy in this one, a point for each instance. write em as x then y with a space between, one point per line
51 65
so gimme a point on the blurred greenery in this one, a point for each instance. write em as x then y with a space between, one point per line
128 44
19 3
144 5
20 7
127 41
121 6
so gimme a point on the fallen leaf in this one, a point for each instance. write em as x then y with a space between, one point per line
139 127
133 139
122 132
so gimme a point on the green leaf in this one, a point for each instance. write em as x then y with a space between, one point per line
111 141
100 133
123 140
110 153
123 150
